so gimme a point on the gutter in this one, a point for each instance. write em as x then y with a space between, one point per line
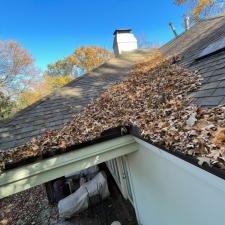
105 136
112 134
190 159
39 172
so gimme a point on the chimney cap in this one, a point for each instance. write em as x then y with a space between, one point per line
122 30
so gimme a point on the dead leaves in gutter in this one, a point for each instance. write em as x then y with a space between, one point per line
156 100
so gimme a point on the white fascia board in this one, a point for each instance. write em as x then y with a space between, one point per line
209 178
27 176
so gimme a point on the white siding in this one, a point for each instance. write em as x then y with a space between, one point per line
118 169
170 191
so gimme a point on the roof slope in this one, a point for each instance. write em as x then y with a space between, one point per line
212 68
56 109
154 99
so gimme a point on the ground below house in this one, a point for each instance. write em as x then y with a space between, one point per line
115 208
28 207
31 207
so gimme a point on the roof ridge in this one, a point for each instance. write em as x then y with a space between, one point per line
221 15
180 35
199 21
214 17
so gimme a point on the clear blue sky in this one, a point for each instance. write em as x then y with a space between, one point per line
51 29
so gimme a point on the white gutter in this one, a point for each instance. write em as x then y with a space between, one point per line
27 176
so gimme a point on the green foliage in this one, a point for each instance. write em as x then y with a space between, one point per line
6 106
61 67
89 57
83 59
56 82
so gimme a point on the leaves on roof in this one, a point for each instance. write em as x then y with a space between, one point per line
156 100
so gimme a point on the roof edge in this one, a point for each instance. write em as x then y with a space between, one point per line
187 31
115 133
190 159
214 17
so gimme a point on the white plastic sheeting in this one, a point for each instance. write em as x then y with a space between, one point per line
79 200
116 223
64 223
88 171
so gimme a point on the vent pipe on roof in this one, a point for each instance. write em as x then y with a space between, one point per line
124 41
187 23
173 29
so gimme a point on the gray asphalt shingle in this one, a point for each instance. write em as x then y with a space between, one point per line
56 109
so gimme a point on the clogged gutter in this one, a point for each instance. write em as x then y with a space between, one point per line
155 99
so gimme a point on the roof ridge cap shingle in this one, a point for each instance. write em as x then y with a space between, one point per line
198 22
214 17
181 34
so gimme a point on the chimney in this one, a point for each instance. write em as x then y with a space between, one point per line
173 29
187 23
124 41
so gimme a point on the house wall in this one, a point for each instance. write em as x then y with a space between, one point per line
170 191
116 169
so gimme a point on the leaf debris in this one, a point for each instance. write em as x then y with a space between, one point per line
156 100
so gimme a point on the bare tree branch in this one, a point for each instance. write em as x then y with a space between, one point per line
16 67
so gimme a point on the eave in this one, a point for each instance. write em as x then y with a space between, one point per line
114 143
27 176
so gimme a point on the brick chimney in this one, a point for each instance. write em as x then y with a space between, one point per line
124 41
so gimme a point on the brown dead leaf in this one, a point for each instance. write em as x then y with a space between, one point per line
201 124
155 99
219 136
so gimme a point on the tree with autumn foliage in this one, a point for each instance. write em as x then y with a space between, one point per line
86 58
41 88
61 67
37 90
17 71
17 68
63 71
83 59
199 9
6 106
21 83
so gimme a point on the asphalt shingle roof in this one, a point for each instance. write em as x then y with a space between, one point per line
56 109
212 67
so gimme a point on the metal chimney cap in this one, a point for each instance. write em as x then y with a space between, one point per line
122 30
